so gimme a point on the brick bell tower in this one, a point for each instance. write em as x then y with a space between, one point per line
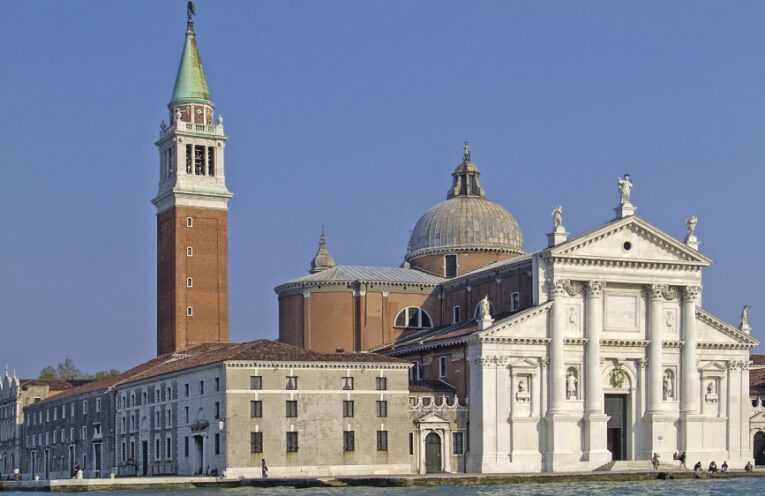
192 212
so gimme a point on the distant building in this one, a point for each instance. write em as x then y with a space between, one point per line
591 351
15 395
757 397
222 408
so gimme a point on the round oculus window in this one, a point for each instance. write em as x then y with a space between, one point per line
627 246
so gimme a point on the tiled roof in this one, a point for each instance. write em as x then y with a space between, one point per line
430 386
205 354
757 359
352 273
414 339
54 384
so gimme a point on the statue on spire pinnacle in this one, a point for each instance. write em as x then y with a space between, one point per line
191 11
466 151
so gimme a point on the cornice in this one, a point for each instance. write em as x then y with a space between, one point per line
246 364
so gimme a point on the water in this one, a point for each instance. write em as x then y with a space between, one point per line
695 487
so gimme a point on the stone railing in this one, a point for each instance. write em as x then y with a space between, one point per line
429 402
189 127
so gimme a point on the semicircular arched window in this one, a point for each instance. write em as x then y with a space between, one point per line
413 318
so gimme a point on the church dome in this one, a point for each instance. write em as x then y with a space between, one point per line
466 221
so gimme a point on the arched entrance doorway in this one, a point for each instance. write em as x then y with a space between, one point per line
432 453
759 448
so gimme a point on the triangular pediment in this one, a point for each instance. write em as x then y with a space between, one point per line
630 239
712 331
712 367
432 418
529 325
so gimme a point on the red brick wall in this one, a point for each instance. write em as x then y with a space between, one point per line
208 268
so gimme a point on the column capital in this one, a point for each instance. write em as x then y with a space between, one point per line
691 293
594 288
661 292
564 287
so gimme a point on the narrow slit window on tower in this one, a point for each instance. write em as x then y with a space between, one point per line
189 251
199 160
189 222
189 312
188 159
189 282
211 161
169 162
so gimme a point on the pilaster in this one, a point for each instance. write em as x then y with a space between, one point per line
595 421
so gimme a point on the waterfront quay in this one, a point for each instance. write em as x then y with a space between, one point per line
167 483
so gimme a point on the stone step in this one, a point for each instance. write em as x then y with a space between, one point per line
634 466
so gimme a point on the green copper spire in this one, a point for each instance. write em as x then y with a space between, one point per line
190 83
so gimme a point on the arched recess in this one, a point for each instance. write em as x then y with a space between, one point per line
433 463
758 453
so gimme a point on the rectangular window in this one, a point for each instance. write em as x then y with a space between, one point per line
515 301
84 407
189 251
292 382
382 408
347 408
458 443
291 408
455 314
381 383
217 410
96 431
256 382
450 265
123 451
186 414
157 454
189 222
411 443
168 450
349 443
217 383
201 387
442 366
168 417
347 383
292 442
169 393
84 432
189 312
186 390
256 409
186 446
217 443
382 440
189 282
71 410
256 442
63 411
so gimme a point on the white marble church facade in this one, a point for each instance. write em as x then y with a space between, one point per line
616 359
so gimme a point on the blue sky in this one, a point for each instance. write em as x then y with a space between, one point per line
352 114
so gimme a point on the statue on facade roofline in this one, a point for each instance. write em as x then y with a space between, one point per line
691 223
745 317
625 189
484 309
557 216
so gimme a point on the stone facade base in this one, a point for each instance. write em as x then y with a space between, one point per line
320 471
